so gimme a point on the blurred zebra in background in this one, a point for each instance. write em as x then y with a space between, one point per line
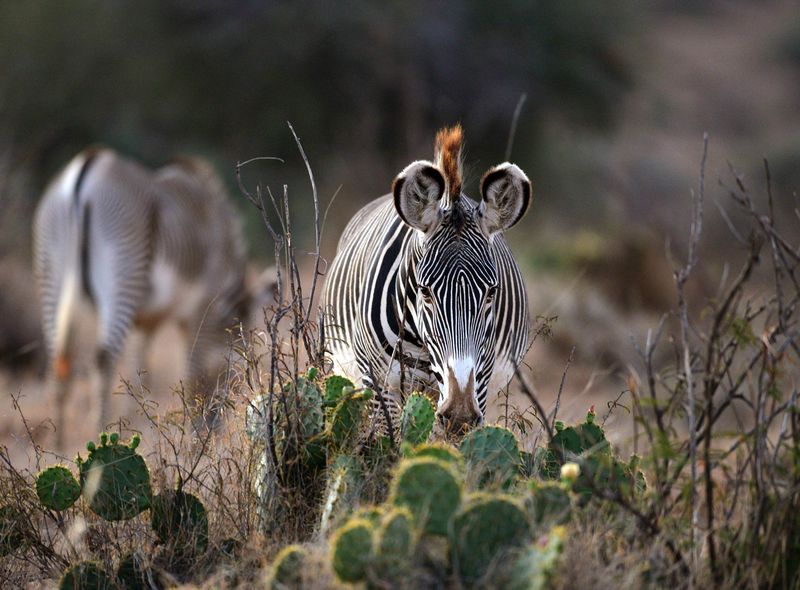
140 248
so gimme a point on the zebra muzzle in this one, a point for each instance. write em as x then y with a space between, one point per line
459 409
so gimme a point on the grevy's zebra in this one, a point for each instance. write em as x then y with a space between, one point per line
140 248
425 292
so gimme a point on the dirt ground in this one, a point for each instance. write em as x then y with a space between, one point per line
26 402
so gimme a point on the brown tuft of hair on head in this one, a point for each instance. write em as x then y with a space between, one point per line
448 158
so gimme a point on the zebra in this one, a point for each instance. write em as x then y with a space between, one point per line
140 247
424 292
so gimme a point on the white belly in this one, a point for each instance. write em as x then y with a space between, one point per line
172 295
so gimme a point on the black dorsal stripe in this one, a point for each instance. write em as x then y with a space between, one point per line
84 169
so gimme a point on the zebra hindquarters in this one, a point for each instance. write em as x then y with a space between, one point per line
117 256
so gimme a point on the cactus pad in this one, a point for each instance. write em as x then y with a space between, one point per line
394 547
179 519
483 532
286 572
334 386
352 549
492 456
576 440
57 488
86 575
346 417
430 489
417 419
440 451
115 480
548 503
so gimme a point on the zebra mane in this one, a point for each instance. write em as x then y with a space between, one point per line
447 157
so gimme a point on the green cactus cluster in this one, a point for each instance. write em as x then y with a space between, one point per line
486 510
573 441
430 517
114 479
586 445
115 483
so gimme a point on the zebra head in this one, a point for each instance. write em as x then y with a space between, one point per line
455 282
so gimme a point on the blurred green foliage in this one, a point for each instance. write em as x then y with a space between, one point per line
365 84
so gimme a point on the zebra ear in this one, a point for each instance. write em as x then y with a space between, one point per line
417 191
506 193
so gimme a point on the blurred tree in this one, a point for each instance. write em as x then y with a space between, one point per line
366 85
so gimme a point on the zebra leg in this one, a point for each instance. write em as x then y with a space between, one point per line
62 390
140 344
207 370
105 363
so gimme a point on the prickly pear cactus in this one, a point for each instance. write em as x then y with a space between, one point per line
573 441
372 514
179 519
603 472
352 549
430 489
440 451
486 529
57 488
417 419
309 407
86 575
12 530
341 493
299 404
534 566
492 457
114 478
548 503
394 547
345 419
334 386
286 572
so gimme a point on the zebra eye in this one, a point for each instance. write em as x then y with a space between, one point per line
490 293
427 294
